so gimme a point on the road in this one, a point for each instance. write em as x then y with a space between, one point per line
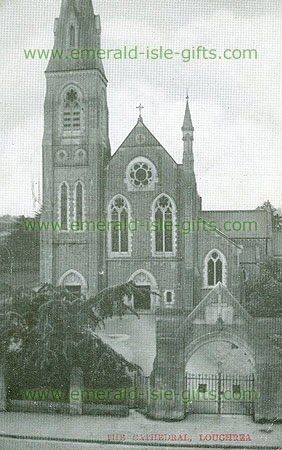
36 444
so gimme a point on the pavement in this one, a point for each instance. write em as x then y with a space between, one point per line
33 431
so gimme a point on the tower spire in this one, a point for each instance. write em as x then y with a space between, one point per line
80 6
76 30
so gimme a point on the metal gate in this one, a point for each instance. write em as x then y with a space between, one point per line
220 394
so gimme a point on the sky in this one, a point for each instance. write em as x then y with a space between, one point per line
235 105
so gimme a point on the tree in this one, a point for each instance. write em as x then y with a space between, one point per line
48 332
275 214
264 293
12 324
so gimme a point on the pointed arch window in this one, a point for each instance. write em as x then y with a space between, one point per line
163 229
119 235
72 36
215 269
64 206
80 157
79 202
72 111
62 157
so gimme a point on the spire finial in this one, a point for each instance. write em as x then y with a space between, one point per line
140 107
187 127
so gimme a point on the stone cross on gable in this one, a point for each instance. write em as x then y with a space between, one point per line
140 107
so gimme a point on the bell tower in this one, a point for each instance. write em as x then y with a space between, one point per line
76 149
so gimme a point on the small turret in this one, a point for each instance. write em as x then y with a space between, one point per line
188 137
187 128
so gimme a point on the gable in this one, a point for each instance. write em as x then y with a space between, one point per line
219 306
141 138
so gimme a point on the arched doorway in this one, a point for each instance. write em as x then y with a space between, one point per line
74 282
220 376
145 302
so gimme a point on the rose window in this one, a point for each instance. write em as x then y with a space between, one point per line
141 174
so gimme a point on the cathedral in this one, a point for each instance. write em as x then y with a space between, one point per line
192 263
